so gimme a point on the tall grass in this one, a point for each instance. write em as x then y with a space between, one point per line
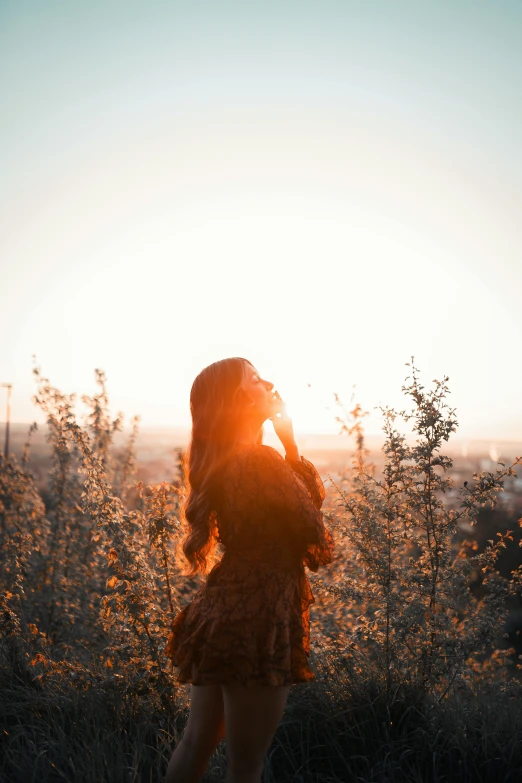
414 680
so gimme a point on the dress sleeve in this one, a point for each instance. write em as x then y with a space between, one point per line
311 479
288 495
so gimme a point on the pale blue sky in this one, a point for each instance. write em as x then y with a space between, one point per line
324 187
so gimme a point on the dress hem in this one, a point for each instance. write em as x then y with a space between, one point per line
198 681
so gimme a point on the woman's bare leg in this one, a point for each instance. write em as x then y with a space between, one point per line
204 730
252 715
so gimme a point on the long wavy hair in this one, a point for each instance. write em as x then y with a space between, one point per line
215 406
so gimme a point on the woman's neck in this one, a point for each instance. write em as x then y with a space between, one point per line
248 433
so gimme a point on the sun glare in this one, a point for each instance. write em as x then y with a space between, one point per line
311 291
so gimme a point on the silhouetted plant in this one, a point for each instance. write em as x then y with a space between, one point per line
418 622
104 587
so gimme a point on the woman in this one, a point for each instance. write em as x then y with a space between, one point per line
245 636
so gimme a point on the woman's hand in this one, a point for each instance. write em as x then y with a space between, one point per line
284 428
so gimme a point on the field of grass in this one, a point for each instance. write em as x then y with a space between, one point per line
98 729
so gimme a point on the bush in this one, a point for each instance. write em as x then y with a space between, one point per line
408 574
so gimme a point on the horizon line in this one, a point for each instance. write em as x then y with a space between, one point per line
298 433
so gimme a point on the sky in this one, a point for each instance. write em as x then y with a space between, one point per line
325 188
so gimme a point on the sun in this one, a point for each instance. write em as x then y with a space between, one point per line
310 413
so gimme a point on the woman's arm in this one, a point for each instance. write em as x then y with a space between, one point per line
285 430
275 498
302 467
311 479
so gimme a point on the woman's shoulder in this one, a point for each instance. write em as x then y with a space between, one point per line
257 451
255 455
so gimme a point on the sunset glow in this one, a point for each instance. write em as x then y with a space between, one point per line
326 229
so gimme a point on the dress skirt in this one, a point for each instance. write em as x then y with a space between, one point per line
247 625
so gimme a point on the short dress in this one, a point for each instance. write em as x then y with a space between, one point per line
250 621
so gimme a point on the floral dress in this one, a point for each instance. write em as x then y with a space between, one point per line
250 621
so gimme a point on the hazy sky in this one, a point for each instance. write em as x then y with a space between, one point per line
325 188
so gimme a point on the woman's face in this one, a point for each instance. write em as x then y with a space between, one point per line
259 393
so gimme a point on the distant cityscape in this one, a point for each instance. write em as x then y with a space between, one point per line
156 455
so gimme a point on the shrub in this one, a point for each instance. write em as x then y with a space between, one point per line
406 577
86 581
